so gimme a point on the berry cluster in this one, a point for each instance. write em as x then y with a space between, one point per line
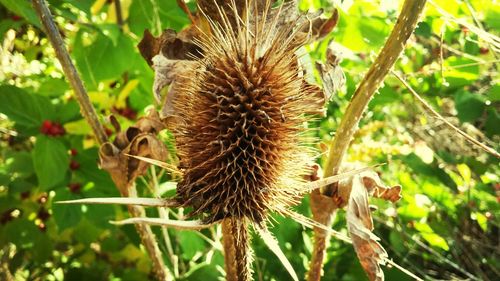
51 128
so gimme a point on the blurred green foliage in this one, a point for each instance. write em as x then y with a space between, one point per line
445 227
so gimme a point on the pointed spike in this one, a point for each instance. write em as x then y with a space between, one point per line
177 224
273 245
148 202
166 166
310 186
310 223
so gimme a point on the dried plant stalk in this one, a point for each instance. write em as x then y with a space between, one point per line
147 237
391 51
237 253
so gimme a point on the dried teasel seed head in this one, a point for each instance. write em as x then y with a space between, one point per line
239 118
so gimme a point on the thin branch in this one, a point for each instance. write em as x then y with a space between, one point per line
394 46
119 15
69 69
147 237
438 116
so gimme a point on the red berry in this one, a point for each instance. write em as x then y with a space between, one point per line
46 127
54 131
16 18
73 152
58 130
75 187
73 165
483 50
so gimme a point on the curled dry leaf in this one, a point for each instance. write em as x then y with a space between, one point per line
331 73
139 140
171 54
355 192
360 225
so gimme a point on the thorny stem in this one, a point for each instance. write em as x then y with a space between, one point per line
392 49
89 113
69 69
236 243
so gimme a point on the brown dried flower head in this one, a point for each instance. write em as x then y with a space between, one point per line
240 115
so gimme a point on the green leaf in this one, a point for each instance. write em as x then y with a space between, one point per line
66 215
51 161
460 71
430 236
494 93
492 121
52 87
102 59
87 231
26 235
19 162
25 109
82 5
22 8
155 15
190 243
469 106
423 29
68 112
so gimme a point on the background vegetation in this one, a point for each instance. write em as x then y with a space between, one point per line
445 227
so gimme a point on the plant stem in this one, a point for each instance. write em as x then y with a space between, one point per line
89 113
391 51
236 243
69 69
119 16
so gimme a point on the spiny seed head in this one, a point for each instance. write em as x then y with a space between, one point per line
240 121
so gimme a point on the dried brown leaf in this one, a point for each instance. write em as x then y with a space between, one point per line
355 192
360 225
331 73
139 140
378 189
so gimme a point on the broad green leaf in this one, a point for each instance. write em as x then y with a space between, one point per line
423 29
155 15
430 236
19 162
492 120
22 8
51 161
481 220
460 71
469 106
191 244
68 112
25 109
26 235
102 59
64 215
494 93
